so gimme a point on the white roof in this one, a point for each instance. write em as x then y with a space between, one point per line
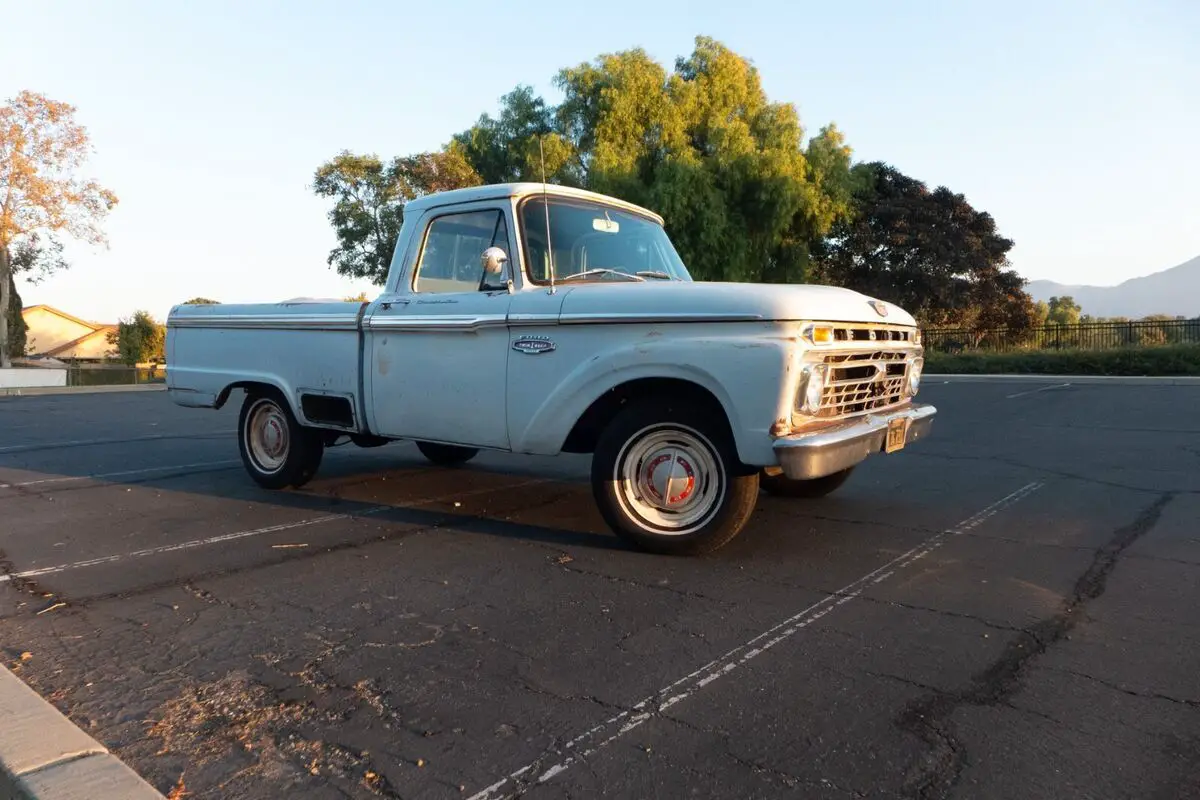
493 191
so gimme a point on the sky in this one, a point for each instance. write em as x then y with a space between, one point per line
1073 123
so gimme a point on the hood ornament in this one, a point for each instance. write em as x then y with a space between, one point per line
880 308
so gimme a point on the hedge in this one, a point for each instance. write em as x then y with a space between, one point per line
1181 359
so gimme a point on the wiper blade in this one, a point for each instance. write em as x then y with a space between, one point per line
602 271
656 273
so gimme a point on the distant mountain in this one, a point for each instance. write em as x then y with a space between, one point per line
1175 292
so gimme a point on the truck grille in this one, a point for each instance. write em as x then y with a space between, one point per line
863 381
871 333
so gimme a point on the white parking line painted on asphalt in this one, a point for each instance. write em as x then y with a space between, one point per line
613 728
122 474
1043 389
228 537
22 448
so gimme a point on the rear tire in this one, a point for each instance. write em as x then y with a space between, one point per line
783 486
447 455
276 450
666 478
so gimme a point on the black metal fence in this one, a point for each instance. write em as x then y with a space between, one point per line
113 375
1083 336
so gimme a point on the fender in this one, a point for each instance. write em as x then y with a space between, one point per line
715 363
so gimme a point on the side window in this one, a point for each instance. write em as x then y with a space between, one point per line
454 243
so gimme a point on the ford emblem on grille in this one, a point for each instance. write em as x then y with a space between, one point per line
533 345
879 307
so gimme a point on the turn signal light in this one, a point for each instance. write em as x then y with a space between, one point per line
819 334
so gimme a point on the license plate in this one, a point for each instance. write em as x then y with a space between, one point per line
897 434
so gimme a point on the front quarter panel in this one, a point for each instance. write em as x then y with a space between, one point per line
748 367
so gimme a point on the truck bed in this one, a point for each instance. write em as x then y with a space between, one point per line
308 349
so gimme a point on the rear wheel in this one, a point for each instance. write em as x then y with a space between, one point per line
783 486
666 478
277 451
446 455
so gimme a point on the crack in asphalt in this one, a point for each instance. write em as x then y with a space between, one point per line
943 612
930 717
82 603
1131 692
641 584
1012 462
1164 559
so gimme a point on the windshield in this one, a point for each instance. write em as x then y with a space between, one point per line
595 242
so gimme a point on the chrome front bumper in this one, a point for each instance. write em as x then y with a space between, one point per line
804 456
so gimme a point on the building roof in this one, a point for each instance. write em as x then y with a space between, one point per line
63 348
493 191
42 306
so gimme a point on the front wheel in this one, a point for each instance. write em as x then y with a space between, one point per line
277 451
666 478
783 486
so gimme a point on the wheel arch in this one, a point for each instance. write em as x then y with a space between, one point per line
603 409
250 385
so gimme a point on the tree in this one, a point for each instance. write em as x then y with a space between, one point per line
361 297
369 197
42 197
744 197
927 251
202 301
139 339
17 329
1063 311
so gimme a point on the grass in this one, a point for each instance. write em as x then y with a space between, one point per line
1179 359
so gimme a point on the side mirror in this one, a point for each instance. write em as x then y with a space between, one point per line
495 263
494 259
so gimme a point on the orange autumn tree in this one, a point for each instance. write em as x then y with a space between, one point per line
42 196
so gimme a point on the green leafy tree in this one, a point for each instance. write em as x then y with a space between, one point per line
744 196
1063 311
369 197
17 329
202 301
928 251
139 339
42 197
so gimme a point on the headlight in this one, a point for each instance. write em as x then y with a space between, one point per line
914 376
814 389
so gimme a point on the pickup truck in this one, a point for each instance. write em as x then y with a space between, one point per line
537 319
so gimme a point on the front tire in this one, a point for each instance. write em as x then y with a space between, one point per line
666 479
446 455
277 451
783 486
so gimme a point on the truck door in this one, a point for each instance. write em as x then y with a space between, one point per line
436 353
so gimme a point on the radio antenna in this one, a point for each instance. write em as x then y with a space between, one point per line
546 207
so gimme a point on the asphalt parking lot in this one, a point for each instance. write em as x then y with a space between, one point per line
1007 609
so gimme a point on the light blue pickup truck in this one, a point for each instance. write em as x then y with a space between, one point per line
541 319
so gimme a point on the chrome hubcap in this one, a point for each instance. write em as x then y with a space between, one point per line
267 437
670 480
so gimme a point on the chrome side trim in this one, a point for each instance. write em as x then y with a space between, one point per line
313 322
655 317
437 322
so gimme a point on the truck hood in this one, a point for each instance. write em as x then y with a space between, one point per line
701 299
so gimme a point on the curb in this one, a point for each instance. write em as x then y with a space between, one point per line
35 391
45 756
1074 380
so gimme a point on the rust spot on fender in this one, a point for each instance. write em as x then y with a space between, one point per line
780 427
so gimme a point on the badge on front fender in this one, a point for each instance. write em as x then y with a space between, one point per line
533 345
